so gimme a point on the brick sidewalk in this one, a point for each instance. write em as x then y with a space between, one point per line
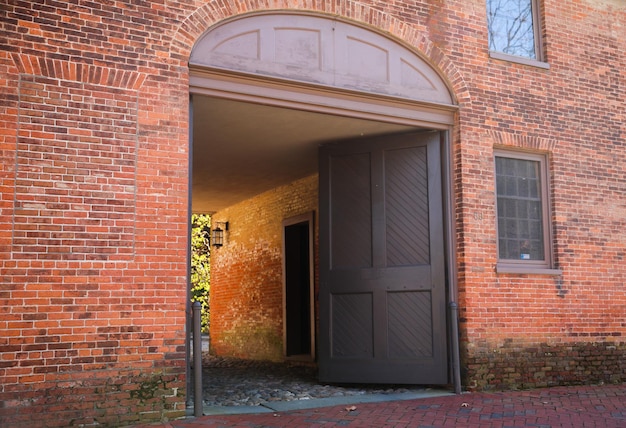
583 406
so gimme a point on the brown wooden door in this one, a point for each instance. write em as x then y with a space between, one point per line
382 281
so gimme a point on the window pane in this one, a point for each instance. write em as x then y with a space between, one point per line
510 208
534 211
520 222
511 186
536 250
523 187
535 231
522 209
510 24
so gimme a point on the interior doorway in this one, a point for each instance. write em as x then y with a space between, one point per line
298 297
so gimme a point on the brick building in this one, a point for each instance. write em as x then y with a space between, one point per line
373 165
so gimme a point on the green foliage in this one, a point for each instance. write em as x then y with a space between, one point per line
200 267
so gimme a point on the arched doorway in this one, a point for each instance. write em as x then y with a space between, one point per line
298 81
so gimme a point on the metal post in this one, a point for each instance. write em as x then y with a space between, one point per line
188 310
448 166
197 359
454 321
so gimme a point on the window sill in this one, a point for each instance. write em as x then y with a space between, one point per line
519 60
527 270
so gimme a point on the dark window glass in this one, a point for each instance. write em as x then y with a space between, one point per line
510 24
520 209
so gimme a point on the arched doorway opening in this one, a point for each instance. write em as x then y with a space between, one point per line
267 91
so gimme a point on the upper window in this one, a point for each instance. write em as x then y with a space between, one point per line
523 211
513 28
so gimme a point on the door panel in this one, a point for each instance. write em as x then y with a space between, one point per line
406 202
351 190
410 325
352 318
382 282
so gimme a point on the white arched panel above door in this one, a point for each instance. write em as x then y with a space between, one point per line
322 51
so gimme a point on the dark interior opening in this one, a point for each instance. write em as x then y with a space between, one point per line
297 289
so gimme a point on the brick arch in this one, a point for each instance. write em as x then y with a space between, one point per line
78 72
204 17
522 141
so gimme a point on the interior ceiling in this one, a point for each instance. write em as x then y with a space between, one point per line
241 149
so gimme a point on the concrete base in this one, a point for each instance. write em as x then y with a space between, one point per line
283 406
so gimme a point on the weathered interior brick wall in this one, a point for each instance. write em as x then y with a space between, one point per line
246 296
93 210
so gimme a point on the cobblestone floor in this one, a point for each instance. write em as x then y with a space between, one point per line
233 382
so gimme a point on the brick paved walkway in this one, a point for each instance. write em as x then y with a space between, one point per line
584 406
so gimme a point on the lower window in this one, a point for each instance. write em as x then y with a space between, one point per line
522 211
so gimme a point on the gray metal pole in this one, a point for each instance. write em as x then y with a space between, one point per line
197 359
451 256
188 310
454 321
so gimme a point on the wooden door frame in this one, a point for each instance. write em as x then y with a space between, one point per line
320 99
308 97
309 219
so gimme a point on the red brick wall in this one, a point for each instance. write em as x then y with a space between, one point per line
93 210
93 216
539 327
246 296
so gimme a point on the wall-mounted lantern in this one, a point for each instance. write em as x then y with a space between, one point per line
217 237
